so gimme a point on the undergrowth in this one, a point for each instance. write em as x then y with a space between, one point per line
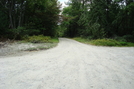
40 39
46 41
104 42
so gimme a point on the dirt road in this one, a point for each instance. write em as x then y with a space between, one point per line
70 65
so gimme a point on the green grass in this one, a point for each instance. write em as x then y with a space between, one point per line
105 42
39 39
54 40
81 40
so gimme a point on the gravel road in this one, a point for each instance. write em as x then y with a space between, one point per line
70 65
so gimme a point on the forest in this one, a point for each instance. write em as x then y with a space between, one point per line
21 18
91 19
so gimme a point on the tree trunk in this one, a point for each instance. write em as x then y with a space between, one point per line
11 20
20 19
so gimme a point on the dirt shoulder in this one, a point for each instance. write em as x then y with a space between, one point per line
9 48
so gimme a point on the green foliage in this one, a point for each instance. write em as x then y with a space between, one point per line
18 33
71 16
129 38
61 31
28 17
123 22
3 23
96 31
44 16
38 39
54 40
110 42
104 42
67 11
121 39
83 40
99 19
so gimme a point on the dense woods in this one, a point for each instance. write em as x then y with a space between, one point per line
20 18
99 19
93 19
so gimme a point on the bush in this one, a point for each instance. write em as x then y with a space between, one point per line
105 42
97 31
129 38
38 39
121 39
110 42
123 43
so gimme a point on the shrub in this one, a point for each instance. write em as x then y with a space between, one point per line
123 43
97 31
110 42
38 39
129 38
105 42
121 39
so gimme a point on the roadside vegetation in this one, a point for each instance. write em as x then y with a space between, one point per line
43 42
26 45
30 23
21 18
40 39
103 22
41 47
105 42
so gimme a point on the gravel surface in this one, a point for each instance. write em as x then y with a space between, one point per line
70 65
15 48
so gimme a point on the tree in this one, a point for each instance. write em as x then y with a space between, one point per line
72 15
31 17
3 22
100 18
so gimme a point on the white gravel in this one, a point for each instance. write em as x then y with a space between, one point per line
15 48
70 65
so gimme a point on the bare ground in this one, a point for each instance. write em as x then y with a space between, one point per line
16 49
70 65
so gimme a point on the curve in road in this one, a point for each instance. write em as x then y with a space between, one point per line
70 65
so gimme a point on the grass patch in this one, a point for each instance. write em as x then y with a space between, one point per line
40 42
105 42
54 40
38 39
81 40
